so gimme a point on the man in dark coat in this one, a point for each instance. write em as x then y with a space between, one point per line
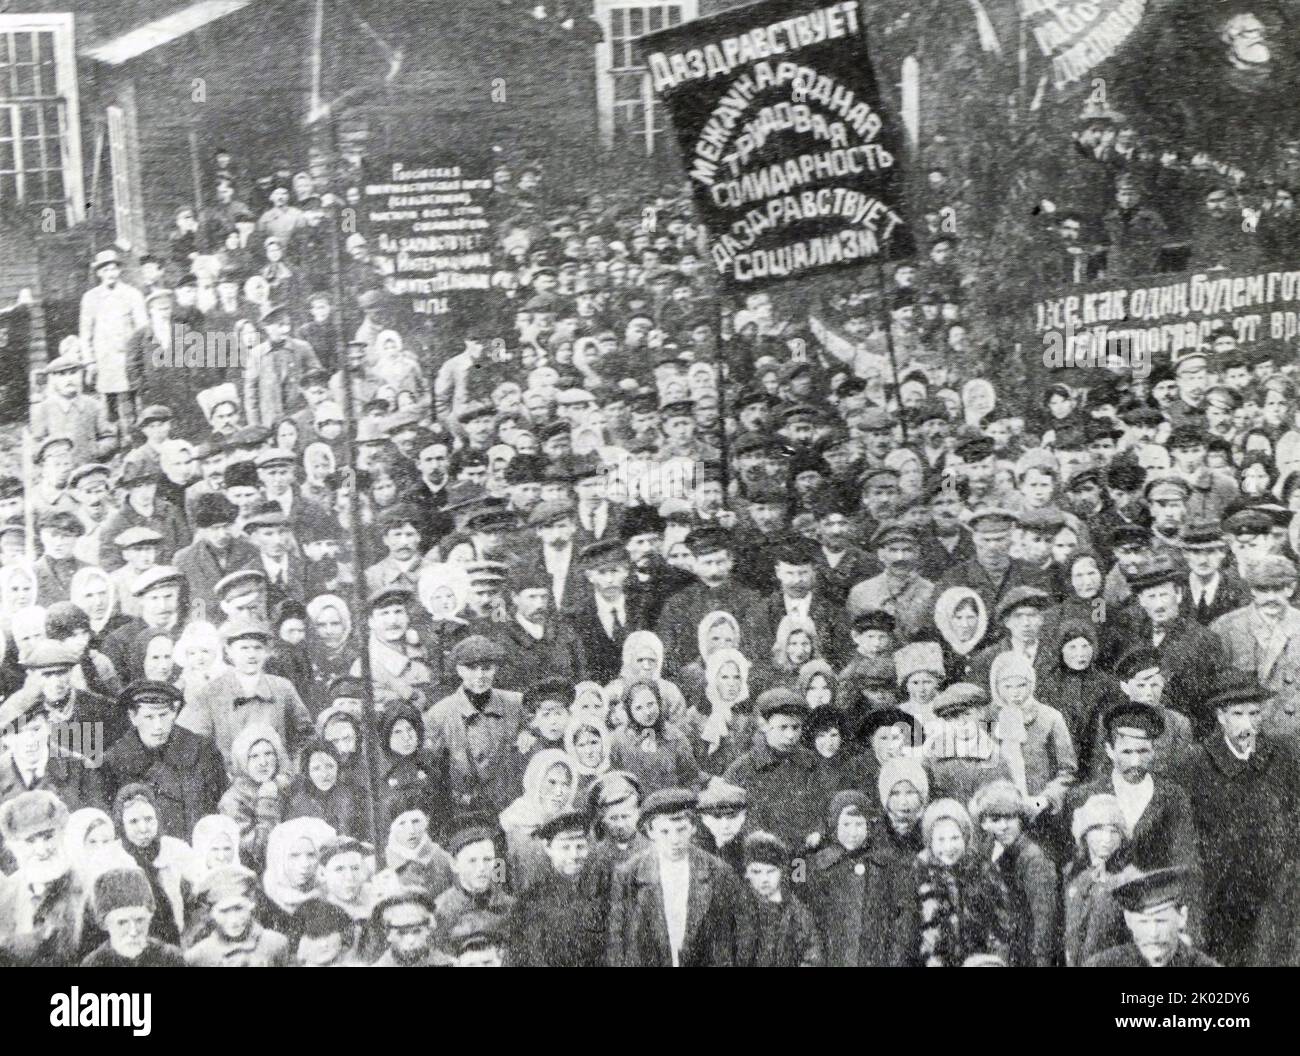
716 590
653 580
779 775
184 770
1245 792
675 905
603 620
38 757
1155 912
555 923
535 644
799 594
216 551
992 572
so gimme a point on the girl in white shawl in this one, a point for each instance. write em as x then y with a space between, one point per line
292 855
962 619
586 742
1048 762
725 731
550 783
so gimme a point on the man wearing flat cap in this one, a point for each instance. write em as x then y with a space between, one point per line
59 531
715 589
1214 587
799 593
68 411
473 732
1263 637
536 642
245 694
899 589
992 572
556 923
1155 913
274 369
1245 792
1189 653
42 904
184 769
400 666
608 614
675 905
554 524
143 507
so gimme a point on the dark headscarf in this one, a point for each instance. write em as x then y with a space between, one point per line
1077 695
163 925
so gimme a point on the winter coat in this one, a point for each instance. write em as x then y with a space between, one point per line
1030 879
953 913
777 934
783 790
260 948
555 924
187 776
1094 921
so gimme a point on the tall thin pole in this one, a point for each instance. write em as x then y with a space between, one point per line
719 366
888 322
354 497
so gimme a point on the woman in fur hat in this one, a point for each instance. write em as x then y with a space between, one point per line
1000 811
957 907
1094 921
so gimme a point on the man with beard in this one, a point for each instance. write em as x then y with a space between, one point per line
653 580
536 643
1263 637
799 594
1157 812
1244 790
716 589
555 922
992 572
42 904
1155 909
838 562
899 590
216 551
67 411
88 493
399 665
124 906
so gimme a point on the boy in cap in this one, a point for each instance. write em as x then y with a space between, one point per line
124 905
555 923
42 903
407 921
143 507
774 929
324 934
1155 913
236 940
478 941
246 694
676 904
474 731
480 876
139 549
723 810
778 774
184 768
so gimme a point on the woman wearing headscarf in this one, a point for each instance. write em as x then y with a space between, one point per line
198 653
393 366
718 630
91 845
1080 582
406 769
586 742
93 592
330 645
215 844
318 463
411 855
1074 685
650 747
320 790
290 878
963 622
258 795
796 642
643 658
549 787
957 908
1001 814
288 658
150 656
725 730
1094 921
164 859
18 590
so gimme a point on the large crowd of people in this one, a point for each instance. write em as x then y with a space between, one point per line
618 624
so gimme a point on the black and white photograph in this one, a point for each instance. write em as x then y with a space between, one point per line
652 483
